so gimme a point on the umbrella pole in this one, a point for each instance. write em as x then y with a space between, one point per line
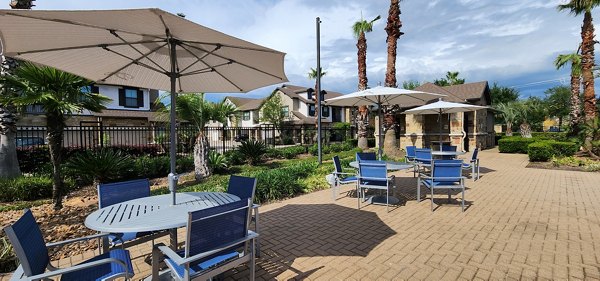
440 130
380 127
173 119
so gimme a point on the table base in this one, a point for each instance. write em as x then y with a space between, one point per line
381 200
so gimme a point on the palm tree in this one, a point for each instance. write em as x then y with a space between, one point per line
509 114
312 74
359 29
575 113
9 163
59 94
393 33
578 7
196 110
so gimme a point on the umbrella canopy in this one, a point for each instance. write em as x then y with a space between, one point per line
383 96
441 107
146 48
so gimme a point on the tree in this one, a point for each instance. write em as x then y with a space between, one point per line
585 7
508 113
392 29
271 111
193 108
59 94
575 112
450 79
556 100
312 74
359 29
9 163
410 84
503 94
534 113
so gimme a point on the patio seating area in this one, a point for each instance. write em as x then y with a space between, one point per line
519 223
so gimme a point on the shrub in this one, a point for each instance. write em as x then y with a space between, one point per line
29 188
253 151
217 162
539 151
557 136
281 183
336 147
543 150
31 158
102 165
184 164
370 142
234 157
289 152
8 260
351 142
514 144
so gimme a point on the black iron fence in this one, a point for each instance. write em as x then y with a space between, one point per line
220 138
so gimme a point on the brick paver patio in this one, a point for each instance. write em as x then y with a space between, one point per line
521 223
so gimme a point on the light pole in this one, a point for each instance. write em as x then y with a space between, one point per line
318 90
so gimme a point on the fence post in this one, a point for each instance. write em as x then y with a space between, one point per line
101 135
223 137
273 134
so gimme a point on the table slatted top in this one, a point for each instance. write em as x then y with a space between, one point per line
154 212
392 166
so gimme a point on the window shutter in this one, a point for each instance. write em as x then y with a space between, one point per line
140 98
122 97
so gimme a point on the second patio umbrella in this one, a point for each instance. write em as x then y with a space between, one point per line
443 107
146 48
383 96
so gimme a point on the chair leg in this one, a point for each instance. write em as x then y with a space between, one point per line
449 196
432 198
257 229
473 171
477 169
463 199
387 199
419 189
252 261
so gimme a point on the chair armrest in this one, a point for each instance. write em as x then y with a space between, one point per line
84 238
181 261
255 206
336 173
78 267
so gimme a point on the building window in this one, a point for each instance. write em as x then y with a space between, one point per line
286 111
246 115
311 110
131 97
324 111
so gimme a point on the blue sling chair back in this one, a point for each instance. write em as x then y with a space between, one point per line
340 177
445 174
245 189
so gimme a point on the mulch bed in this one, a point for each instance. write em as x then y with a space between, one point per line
550 166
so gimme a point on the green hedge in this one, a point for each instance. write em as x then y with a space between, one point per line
29 188
514 144
289 152
557 136
543 150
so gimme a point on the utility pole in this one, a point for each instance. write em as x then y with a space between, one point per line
318 91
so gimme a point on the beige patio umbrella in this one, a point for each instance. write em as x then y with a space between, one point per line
147 48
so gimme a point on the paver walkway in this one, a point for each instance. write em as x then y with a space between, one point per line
521 223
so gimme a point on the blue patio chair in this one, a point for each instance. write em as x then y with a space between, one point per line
473 165
446 147
245 189
360 156
445 174
118 192
410 153
32 252
217 240
422 160
372 175
340 177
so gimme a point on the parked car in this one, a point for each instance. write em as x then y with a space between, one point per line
29 141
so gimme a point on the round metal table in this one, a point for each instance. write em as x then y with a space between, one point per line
391 166
155 212
446 153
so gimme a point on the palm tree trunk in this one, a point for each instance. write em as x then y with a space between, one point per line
201 148
575 113
393 33
361 122
55 126
587 65
509 131
361 45
525 129
9 163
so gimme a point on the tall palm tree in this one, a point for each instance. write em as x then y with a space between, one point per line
359 29
575 113
393 33
196 110
578 7
312 74
59 94
509 114
9 163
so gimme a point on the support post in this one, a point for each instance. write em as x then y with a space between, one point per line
318 91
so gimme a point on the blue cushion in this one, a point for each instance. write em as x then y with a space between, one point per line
429 183
103 271
348 179
201 265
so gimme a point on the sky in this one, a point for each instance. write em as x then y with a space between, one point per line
511 42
